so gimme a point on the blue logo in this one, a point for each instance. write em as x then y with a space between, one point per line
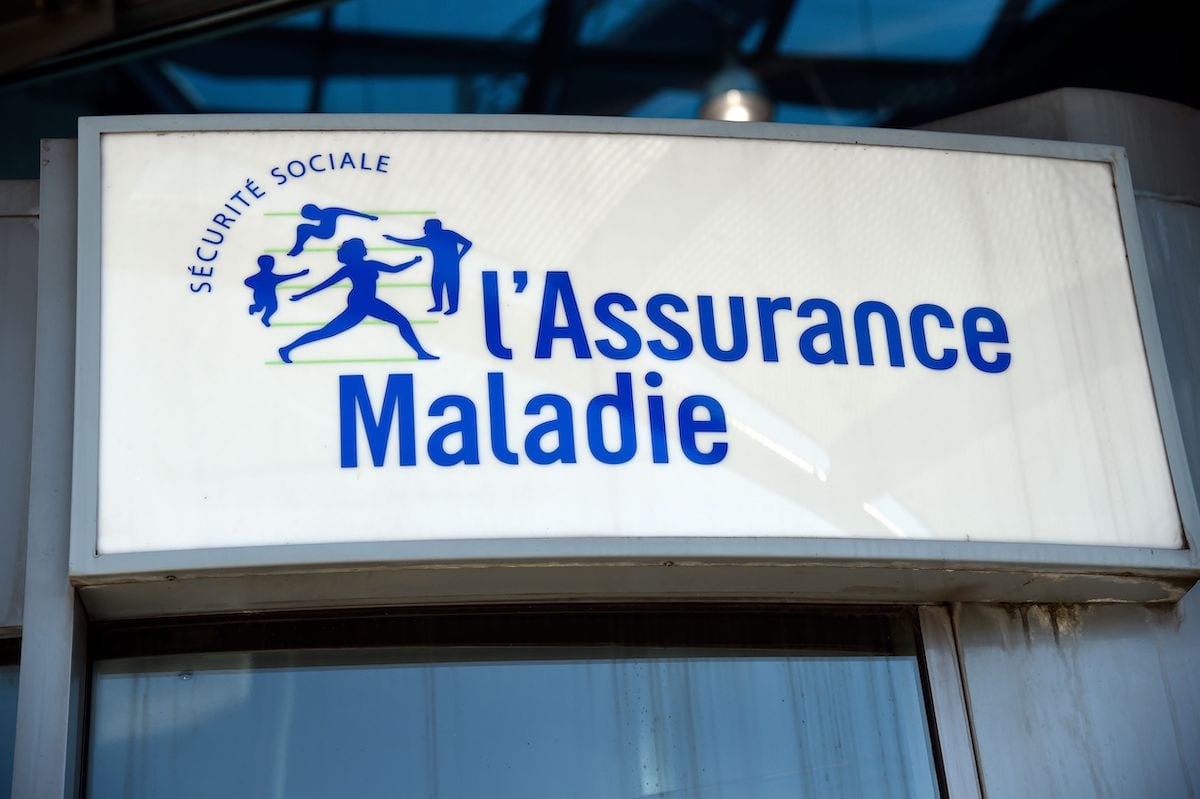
446 248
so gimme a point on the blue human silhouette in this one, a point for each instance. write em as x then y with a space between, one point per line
447 249
263 283
325 227
361 301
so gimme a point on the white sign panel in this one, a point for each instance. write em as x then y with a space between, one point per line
343 336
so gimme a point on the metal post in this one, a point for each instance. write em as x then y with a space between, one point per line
955 737
18 288
53 663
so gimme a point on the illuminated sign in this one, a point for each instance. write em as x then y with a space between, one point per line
355 336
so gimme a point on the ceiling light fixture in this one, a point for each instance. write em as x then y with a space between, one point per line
736 95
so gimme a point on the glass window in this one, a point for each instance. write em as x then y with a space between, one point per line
579 718
933 30
9 656
511 19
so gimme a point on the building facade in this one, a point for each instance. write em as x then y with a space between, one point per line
668 664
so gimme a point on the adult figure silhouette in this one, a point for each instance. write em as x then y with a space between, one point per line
447 249
361 301
325 227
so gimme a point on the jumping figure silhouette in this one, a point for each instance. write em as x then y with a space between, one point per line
326 224
263 283
361 301
447 249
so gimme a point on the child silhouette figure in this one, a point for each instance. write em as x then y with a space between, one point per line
325 227
263 283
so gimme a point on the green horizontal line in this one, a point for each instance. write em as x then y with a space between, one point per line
367 322
335 249
372 213
344 285
349 360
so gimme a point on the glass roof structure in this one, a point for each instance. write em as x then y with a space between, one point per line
844 62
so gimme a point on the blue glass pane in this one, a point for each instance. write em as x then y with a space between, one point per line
512 723
797 114
8 724
606 17
668 25
309 20
669 104
497 94
436 94
518 20
424 94
753 37
1038 7
225 93
935 30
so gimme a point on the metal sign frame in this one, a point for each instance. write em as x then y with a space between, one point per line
808 568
